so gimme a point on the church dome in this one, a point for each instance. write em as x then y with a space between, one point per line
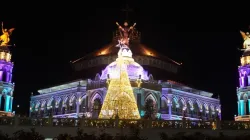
134 71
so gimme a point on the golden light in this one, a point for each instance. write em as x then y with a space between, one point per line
245 60
120 100
2 54
150 54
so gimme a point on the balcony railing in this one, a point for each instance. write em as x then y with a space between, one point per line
109 123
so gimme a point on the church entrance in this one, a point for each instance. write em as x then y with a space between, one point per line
150 109
96 108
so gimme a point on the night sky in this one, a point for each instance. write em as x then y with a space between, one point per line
205 40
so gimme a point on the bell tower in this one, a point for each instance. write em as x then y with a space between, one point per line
6 85
6 67
243 91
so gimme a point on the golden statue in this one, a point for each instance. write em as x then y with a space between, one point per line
244 35
5 37
125 32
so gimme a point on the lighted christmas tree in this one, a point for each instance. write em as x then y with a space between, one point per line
120 101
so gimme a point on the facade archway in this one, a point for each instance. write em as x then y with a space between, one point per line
65 106
72 104
150 107
245 98
97 104
83 104
205 111
43 108
58 106
164 105
196 109
175 105
51 105
190 108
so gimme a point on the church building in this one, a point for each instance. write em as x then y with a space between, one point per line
151 76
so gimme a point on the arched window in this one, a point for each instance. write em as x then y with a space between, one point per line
73 104
245 80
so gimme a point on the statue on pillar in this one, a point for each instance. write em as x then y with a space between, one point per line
5 37
125 32
246 38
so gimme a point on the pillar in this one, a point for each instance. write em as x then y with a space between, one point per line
78 104
7 103
242 107
11 102
248 107
248 80
245 108
242 81
239 113
87 103
170 110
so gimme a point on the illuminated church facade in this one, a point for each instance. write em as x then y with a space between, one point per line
148 75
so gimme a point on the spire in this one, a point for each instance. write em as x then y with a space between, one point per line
127 10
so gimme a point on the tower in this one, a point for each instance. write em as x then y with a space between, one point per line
6 66
6 85
243 91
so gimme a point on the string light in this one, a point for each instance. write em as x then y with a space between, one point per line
120 100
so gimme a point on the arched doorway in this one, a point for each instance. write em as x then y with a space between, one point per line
150 109
164 105
72 107
82 105
97 104
196 110
65 108
4 78
245 98
59 107
52 107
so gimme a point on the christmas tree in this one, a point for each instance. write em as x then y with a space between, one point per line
120 101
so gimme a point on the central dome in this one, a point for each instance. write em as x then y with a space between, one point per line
134 69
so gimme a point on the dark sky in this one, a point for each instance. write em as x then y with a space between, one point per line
205 40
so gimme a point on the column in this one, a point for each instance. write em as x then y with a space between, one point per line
170 110
87 103
11 102
248 107
240 81
239 113
245 108
7 103
242 107
78 100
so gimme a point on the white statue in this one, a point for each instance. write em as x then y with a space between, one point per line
246 37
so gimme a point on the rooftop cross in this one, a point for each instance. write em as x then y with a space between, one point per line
127 10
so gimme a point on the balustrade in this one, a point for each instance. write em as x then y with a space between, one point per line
109 123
